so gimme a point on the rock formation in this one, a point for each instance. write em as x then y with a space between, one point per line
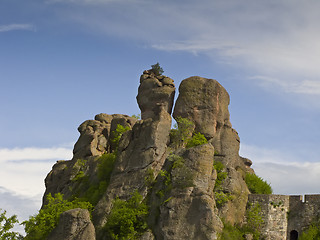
74 224
177 183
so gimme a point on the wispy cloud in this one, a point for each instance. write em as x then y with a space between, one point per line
273 39
34 154
15 27
288 174
308 87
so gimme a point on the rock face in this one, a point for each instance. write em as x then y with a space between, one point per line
177 183
74 224
188 209
144 148
156 93
205 102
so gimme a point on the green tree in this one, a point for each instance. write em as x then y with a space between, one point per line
39 226
157 69
6 225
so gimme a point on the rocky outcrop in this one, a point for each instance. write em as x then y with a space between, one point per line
187 210
205 102
95 139
95 134
177 183
74 224
144 148
156 93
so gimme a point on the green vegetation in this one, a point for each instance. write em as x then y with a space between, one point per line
231 233
312 232
138 116
183 135
257 185
182 132
39 226
196 140
252 226
6 224
127 219
116 135
220 196
149 179
254 220
157 69
92 191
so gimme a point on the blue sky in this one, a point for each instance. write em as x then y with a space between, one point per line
64 61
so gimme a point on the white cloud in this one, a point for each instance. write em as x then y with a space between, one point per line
13 27
22 175
23 169
16 154
286 172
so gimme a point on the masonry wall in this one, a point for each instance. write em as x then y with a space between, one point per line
274 210
283 214
302 213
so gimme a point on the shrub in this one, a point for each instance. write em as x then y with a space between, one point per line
39 226
157 69
127 219
222 198
254 220
312 232
182 132
231 233
196 140
257 185
221 175
92 192
116 135
6 224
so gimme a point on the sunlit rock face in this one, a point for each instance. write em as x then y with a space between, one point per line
177 183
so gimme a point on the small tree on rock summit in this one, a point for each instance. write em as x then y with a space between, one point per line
157 69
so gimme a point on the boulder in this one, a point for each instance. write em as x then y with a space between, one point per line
205 102
74 224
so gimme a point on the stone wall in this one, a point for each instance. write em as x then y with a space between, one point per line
286 217
274 210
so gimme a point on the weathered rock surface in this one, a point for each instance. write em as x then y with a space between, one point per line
177 183
188 210
142 149
205 102
156 93
74 224
95 134
94 140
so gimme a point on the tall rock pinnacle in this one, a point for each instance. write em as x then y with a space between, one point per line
156 93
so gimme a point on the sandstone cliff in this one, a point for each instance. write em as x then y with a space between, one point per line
180 185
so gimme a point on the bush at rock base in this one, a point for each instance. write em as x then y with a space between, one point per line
39 226
127 219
